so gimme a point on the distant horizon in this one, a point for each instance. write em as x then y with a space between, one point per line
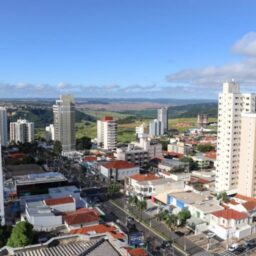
181 49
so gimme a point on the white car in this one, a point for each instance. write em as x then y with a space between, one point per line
233 247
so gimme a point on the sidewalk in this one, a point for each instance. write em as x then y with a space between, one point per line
180 243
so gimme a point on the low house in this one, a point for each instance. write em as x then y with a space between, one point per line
81 218
229 223
148 185
62 204
118 170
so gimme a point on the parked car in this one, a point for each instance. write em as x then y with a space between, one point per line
249 244
233 247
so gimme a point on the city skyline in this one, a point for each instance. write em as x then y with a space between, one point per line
107 49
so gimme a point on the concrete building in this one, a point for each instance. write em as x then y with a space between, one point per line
133 154
156 128
64 122
49 132
3 126
231 105
179 147
118 170
22 131
107 133
162 116
247 164
139 130
202 120
2 214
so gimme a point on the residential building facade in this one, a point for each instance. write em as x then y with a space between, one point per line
22 131
162 116
3 126
107 133
64 122
231 105
156 128
247 164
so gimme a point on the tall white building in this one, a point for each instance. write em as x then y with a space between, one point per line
3 126
64 122
22 131
156 128
232 103
2 214
162 116
247 164
107 133
49 132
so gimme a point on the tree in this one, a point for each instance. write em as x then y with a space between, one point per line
142 205
113 188
22 235
171 220
183 215
204 148
223 197
188 160
5 232
83 143
57 147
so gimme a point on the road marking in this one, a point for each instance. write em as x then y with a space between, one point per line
152 230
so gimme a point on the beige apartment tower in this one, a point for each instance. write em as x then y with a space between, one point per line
64 122
247 164
22 131
232 103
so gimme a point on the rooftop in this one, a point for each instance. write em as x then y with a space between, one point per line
230 214
81 216
96 229
190 197
137 252
118 164
57 201
35 178
145 177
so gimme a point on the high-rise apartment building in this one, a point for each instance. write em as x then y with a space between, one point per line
2 213
162 116
107 133
22 131
232 103
3 126
49 132
156 128
247 164
64 122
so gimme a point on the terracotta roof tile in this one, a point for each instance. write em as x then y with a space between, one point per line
118 164
145 177
99 229
229 214
250 205
61 200
245 198
81 216
90 158
137 252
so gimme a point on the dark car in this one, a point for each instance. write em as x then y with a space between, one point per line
249 244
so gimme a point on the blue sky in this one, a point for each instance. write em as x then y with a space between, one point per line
126 48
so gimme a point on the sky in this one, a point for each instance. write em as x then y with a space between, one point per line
126 48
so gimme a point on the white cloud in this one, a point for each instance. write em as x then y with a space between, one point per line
244 71
246 45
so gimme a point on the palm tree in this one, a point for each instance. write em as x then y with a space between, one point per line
142 205
171 221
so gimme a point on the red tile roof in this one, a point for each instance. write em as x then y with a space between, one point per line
90 158
229 214
61 200
81 216
250 205
107 118
211 154
118 164
145 177
245 198
99 229
137 252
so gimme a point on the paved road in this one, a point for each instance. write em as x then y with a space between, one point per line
183 242
114 213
